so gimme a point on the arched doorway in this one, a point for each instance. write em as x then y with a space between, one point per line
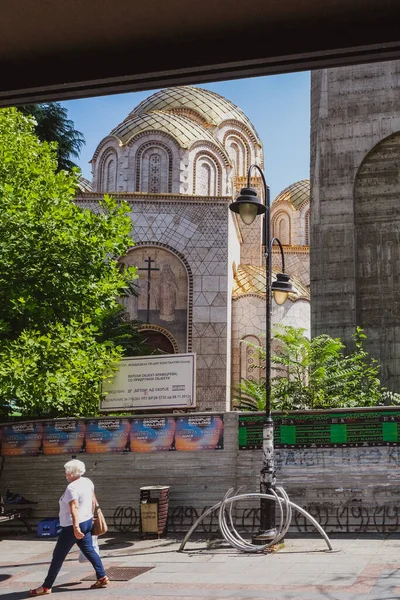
161 342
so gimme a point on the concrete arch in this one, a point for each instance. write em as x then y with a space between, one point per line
376 196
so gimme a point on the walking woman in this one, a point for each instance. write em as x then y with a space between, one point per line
76 519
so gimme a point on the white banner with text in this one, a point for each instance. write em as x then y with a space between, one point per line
152 382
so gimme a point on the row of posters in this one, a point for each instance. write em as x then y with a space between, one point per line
140 434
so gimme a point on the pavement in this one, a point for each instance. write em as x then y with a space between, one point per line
365 567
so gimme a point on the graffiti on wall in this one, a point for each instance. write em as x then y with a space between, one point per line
351 516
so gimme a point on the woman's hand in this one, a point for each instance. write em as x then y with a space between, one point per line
73 505
78 533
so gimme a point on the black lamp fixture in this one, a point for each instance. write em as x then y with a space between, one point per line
248 206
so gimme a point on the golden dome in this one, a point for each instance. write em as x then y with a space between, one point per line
298 194
84 185
185 131
207 107
250 279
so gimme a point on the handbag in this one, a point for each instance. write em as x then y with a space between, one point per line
100 526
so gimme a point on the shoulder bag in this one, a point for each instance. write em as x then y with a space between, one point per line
100 526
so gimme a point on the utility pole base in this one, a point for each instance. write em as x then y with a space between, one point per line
264 537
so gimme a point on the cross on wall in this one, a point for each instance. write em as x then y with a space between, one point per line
149 270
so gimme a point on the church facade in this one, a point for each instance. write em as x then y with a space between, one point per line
178 159
355 184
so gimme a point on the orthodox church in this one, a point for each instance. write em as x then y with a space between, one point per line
178 159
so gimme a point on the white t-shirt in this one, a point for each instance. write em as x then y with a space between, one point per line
80 490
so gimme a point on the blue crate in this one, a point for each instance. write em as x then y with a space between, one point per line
49 527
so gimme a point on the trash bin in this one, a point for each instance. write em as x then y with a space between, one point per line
154 501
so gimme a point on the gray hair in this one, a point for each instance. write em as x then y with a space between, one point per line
75 468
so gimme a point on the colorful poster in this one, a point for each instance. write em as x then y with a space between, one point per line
202 432
107 435
63 437
150 434
21 439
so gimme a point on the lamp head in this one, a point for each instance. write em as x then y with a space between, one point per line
281 288
247 205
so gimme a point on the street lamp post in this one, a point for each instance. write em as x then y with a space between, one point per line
248 206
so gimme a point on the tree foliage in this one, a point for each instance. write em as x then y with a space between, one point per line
53 125
318 374
59 279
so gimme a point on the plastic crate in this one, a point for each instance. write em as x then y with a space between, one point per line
49 527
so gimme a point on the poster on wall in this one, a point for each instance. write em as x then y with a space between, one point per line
199 432
21 439
63 437
107 435
152 382
185 433
152 434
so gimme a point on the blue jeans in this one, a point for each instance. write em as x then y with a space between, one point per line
65 542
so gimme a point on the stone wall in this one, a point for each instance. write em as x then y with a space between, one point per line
354 197
349 489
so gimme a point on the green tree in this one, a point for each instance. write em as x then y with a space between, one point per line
318 374
118 328
53 125
59 279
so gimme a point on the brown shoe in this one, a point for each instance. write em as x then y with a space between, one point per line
40 591
100 583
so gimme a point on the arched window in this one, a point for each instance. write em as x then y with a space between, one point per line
154 173
203 187
108 172
250 364
282 228
239 151
308 228
238 156
206 177
153 169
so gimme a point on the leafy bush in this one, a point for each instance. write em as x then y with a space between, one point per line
318 374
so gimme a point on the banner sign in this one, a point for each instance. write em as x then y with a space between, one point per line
151 383
323 429
99 436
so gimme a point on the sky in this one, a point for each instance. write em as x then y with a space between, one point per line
277 105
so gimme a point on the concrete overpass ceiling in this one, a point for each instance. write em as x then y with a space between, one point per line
58 50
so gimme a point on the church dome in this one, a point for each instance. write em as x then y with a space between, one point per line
251 279
297 194
182 140
208 108
185 131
